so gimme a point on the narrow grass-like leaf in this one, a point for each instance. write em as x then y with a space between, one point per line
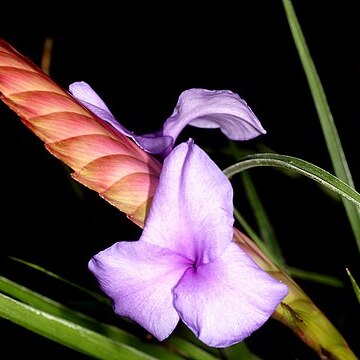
46 56
174 348
294 272
56 309
190 350
252 234
93 294
43 303
67 333
239 351
188 341
331 135
300 166
237 152
181 345
267 233
354 285
234 151
314 277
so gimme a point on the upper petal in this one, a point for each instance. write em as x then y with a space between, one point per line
138 278
83 92
223 302
92 101
214 109
155 143
192 209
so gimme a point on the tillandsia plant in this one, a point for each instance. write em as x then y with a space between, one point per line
177 267
190 263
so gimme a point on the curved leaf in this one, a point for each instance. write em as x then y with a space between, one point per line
266 230
354 284
178 349
327 123
300 166
67 333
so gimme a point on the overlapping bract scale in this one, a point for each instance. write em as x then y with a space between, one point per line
101 158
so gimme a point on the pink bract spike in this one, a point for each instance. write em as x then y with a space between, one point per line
102 159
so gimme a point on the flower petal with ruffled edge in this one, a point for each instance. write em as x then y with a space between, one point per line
214 109
139 277
224 301
83 92
197 107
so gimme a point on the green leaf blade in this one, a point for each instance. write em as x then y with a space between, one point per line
266 231
55 309
300 166
354 285
67 333
330 132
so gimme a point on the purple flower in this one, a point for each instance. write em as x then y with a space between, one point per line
185 264
197 107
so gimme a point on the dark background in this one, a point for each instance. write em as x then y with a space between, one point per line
139 59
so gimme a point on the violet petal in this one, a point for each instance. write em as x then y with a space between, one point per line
138 278
153 143
214 109
225 301
192 210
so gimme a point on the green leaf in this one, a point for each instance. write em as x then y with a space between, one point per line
239 351
67 333
189 349
234 151
174 348
200 351
315 277
252 234
267 233
300 166
294 272
56 309
97 296
354 285
178 344
332 139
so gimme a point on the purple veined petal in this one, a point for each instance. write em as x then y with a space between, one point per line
225 301
192 209
92 101
138 277
154 143
214 109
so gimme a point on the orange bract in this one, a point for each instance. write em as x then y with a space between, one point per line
102 158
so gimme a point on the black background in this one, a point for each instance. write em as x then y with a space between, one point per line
139 59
